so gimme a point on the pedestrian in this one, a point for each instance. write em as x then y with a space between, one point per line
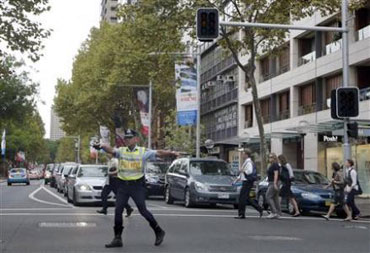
111 185
286 178
352 188
131 183
337 183
272 194
248 175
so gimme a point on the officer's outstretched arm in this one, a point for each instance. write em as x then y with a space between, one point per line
166 153
107 148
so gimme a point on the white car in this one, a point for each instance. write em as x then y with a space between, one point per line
86 182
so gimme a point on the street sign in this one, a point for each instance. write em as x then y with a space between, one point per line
207 24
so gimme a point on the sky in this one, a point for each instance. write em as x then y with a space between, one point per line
71 21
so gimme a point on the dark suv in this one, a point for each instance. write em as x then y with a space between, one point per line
154 177
200 181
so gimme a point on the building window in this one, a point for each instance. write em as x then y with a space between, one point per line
307 99
363 23
363 80
248 116
284 105
306 50
284 60
265 110
331 83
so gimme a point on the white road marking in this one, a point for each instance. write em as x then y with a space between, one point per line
177 215
58 197
32 196
66 224
274 238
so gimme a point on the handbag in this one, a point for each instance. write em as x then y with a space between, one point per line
359 191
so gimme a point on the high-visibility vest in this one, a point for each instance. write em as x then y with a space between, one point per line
131 163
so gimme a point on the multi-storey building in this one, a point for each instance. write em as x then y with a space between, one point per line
109 9
294 90
55 131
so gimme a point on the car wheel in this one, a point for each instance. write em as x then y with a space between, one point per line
188 200
74 200
28 183
9 184
167 195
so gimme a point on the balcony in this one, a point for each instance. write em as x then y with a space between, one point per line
283 115
306 109
363 33
248 124
333 47
219 102
365 94
310 57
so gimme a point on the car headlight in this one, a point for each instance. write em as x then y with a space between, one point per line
84 187
152 179
200 187
310 196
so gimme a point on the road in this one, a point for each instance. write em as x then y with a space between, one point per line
36 218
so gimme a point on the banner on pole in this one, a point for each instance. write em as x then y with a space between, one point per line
104 135
142 98
3 143
186 94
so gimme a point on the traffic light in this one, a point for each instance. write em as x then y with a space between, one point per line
207 24
347 102
333 104
352 130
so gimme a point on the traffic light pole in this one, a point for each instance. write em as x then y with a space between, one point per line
345 62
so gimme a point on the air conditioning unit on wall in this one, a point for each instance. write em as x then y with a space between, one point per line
219 78
229 79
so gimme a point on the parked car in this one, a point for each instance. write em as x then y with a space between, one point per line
18 175
200 181
86 185
308 189
154 177
48 172
34 174
54 174
62 183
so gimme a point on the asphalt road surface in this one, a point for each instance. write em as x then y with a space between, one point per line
36 218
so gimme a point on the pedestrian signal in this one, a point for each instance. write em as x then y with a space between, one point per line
347 102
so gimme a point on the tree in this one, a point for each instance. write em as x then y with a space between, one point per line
256 40
118 55
17 31
17 92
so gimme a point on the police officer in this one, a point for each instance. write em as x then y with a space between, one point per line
131 183
111 185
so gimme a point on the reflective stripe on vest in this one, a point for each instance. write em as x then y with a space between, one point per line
131 163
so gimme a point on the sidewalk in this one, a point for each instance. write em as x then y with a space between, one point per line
364 206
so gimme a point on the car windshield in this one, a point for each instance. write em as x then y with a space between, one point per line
98 171
18 171
67 170
157 168
211 168
305 177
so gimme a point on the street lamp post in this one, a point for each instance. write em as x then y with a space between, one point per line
78 145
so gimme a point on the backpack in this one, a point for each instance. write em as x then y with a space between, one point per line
284 175
253 176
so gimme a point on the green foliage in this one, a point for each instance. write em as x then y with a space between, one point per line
17 92
66 151
17 31
115 56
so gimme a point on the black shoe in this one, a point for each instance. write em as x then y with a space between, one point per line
116 243
102 211
159 236
240 217
129 212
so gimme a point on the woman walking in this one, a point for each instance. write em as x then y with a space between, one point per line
352 189
272 194
337 183
286 191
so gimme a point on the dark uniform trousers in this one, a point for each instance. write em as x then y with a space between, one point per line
107 189
244 198
137 191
